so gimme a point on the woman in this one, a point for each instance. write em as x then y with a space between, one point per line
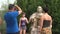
45 22
22 24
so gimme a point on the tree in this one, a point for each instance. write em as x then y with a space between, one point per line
29 6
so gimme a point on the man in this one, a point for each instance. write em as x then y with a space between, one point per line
11 19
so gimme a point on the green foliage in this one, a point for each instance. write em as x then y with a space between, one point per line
30 6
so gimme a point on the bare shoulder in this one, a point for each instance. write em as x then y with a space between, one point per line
42 17
50 17
25 17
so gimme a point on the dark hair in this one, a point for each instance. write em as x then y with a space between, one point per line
11 6
45 9
23 13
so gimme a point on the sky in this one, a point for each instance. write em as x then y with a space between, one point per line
6 2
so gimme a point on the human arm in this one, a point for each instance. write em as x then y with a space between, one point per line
20 22
51 23
19 9
27 20
41 22
31 19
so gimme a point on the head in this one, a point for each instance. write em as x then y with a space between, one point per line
11 7
23 14
45 9
39 9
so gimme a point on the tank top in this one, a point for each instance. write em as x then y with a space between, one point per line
23 22
46 23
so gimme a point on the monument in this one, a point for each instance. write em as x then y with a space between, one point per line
35 18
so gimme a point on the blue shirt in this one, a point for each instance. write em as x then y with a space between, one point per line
11 22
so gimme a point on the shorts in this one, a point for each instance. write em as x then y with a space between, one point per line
23 27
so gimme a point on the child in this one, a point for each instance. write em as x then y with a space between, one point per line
22 24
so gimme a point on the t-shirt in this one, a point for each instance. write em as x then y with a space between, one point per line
11 21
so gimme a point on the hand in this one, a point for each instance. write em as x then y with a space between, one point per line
16 5
40 29
51 26
19 9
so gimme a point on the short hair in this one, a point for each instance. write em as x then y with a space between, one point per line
23 13
45 9
11 6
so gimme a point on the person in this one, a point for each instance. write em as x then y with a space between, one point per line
34 19
11 19
0 24
45 22
22 23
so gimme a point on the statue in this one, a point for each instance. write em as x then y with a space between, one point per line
34 18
